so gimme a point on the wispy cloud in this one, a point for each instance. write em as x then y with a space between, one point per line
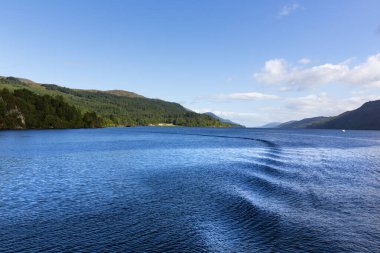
235 114
248 96
278 71
321 104
296 108
324 105
245 118
304 61
289 9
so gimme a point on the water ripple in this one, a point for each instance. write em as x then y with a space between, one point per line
189 190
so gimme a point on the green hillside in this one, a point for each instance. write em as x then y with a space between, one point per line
117 107
23 109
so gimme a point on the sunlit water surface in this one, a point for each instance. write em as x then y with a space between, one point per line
153 189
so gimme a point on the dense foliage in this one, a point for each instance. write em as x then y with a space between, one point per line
119 108
24 109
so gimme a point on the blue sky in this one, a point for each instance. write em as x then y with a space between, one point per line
250 61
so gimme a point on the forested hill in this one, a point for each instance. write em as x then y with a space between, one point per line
223 120
303 123
117 107
23 109
366 117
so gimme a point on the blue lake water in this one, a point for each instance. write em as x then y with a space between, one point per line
150 189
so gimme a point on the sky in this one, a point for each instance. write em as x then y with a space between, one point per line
253 62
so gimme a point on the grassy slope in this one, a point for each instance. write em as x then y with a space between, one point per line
118 107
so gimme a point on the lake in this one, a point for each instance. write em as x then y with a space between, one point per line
152 189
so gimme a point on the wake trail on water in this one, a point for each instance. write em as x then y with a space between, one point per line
261 200
268 143
198 190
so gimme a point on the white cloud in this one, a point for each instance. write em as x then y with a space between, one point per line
304 61
367 72
278 71
296 108
236 114
324 105
245 96
244 118
313 105
289 9
248 96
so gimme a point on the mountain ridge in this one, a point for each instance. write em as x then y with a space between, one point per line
271 125
222 119
303 123
118 107
365 117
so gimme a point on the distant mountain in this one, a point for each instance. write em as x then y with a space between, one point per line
227 121
271 125
304 123
366 117
117 107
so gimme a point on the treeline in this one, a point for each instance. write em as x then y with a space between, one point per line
117 108
134 110
23 109
189 119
